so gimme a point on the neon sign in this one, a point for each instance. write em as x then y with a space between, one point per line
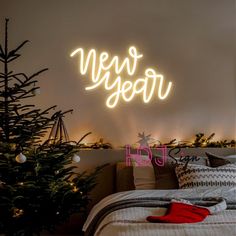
138 157
108 72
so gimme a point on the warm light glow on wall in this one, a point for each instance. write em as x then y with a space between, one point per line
106 71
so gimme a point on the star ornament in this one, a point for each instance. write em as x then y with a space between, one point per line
144 139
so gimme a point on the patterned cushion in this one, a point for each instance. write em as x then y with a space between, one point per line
202 176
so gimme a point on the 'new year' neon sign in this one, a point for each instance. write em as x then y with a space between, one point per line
106 71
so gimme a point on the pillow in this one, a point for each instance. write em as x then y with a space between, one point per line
215 161
232 156
144 177
194 176
135 176
165 175
124 177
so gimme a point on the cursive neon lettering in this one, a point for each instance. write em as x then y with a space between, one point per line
108 72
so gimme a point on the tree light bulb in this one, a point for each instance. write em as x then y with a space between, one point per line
17 212
75 189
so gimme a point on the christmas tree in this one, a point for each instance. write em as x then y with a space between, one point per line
38 186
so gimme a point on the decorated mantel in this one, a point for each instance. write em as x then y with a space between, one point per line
146 144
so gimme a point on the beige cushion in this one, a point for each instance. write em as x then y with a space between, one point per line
144 176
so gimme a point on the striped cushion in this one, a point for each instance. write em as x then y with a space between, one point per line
203 176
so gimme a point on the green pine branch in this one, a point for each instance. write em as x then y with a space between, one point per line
43 191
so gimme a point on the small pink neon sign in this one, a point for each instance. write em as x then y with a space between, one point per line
138 156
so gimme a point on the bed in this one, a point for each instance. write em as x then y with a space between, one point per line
125 213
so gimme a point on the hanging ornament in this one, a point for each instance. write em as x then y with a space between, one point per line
21 158
36 91
76 158
58 133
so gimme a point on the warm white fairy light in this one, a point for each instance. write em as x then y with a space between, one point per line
75 189
17 212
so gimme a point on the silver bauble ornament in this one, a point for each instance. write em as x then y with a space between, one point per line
36 91
21 158
76 158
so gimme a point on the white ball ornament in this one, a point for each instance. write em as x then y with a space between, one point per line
36 91
76 158
21 158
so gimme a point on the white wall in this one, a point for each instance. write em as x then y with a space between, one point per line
190 41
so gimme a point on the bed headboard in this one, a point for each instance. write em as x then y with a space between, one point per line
107 178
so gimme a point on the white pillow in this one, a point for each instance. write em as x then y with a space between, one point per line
144 176
203 176
231 156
